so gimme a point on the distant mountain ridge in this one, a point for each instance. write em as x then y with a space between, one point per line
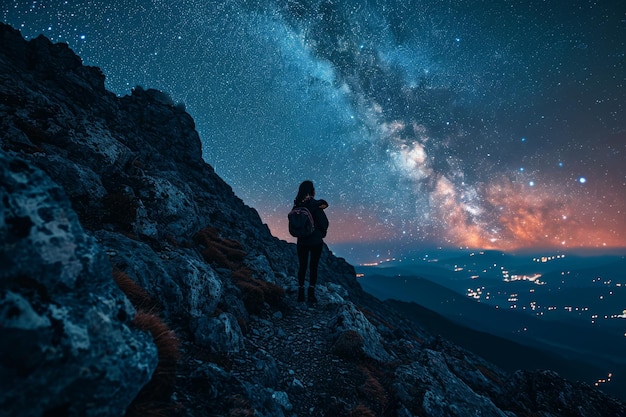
568 334
502 352
134 281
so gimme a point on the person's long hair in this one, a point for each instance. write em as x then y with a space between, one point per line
306 188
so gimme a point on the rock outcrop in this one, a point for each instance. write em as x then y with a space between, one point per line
66 340
94 185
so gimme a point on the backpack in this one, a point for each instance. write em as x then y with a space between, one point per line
301 222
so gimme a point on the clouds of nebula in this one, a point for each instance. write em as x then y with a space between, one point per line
463 123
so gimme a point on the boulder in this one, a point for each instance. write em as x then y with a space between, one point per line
220 334
430 388
350 319
67 346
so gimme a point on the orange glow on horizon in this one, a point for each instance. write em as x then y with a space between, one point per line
534 218
507 216
345 227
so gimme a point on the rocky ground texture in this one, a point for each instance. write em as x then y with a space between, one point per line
134 282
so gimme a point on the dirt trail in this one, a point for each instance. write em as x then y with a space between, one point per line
299 344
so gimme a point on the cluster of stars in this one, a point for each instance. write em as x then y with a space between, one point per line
497 125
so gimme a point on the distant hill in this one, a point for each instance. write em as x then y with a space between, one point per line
503 352
573 348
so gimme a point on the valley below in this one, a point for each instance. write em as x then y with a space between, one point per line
558 311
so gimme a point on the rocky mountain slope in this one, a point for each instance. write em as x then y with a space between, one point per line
134 282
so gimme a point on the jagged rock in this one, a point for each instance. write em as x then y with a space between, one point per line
431 388
220 334
282 399
184 285
335 294
296 384
479 375
66 343
211 382
261 265
350 319
266 401
550 395
265 366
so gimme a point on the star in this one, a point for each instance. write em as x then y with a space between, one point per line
400 128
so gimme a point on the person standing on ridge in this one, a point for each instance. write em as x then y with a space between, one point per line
312 244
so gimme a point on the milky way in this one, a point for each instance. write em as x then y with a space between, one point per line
466 123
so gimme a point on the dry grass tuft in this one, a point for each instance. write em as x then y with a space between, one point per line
349 345
233 254
255 292
139 298
206 236
373 390
212 254
228 253
252 296
155 395
154 398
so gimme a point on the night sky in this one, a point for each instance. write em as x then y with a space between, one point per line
482 124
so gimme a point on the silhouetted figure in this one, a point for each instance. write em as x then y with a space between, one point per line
313 243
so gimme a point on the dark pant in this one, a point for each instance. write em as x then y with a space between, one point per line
303 258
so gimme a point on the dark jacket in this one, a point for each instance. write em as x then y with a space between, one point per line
321 223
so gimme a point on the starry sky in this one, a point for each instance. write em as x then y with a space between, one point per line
426 123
